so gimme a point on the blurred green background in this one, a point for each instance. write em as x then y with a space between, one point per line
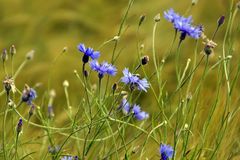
49 26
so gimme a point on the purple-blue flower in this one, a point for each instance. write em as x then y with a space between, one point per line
28 95
88 52
69 158
134 81
135 109
166 151
103 68
183 24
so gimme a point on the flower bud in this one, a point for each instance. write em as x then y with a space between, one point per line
30 55
65 83
114 87
142 18
221 20
4 55
145 60
13 50
19 126
157 18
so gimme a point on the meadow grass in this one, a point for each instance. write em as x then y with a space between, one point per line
181 104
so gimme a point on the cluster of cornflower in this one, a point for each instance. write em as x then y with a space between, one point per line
183 25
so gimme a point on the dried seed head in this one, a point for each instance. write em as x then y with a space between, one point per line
157 18
9 85
145 60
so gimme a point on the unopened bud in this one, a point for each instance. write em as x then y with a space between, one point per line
31 111
157 18
145 60
13 50
142 18
238 5
221 20
207 50
19 126
116 38
114 87
194 2
85 73
64 49
52 93
30 55
4 55
66 83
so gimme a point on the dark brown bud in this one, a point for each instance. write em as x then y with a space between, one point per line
145 60
207 50
114 87
142 18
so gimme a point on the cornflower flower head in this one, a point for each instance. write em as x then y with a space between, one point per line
134 81
183 25
28 95
19 126
135 109
166 151
88 52
138 114
103 68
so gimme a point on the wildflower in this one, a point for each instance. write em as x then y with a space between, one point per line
103 68
135 109
183 25
67 158
28 95
134 81
138 114
166 151
19 126
88 52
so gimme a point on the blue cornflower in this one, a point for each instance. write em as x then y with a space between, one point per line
28 95
166 152
183 25
103 68
138 114
134 81
135 109
88 52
